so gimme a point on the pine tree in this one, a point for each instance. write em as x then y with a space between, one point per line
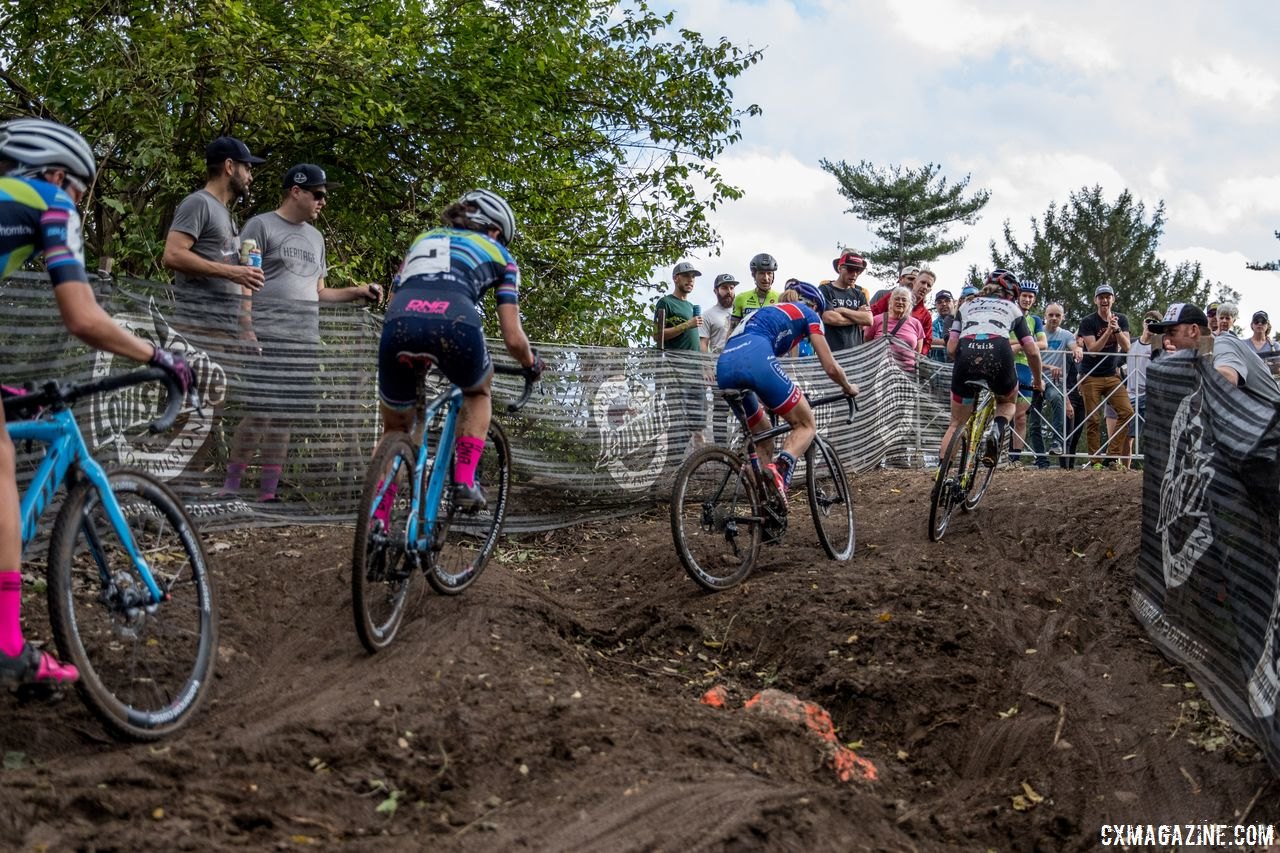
1088 242
910 210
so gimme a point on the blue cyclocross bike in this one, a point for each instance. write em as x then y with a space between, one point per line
130 599
407 519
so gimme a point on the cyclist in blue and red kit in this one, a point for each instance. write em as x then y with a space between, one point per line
47 169
433 313
750 363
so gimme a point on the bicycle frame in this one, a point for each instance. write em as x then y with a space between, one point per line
66 448
424 509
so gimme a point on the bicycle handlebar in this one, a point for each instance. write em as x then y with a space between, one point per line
836 397
57 396
516 370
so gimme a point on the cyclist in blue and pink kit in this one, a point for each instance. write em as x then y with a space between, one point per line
433 313
750 363
47 169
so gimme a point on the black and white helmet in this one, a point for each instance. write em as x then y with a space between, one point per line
764 262
492 211
44 144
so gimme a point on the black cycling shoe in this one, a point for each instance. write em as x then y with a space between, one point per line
470 497
991 449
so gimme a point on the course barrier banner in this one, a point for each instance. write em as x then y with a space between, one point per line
1206 586
602 436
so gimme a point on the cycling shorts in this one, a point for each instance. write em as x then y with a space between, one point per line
989 358
457 348
748 364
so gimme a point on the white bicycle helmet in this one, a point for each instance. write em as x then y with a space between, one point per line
37 142
492 211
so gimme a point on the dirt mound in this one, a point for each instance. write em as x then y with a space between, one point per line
996 680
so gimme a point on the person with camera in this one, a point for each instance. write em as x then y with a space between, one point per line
1106 341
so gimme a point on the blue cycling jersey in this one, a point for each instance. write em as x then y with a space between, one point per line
784 324
37 217
447 271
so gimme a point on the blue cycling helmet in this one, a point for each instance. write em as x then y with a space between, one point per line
1029 287
810 294
1002 282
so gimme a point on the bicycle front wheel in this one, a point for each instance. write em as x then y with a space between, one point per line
145 668
829 500
979 474
465 538
382 568
948 491
716 518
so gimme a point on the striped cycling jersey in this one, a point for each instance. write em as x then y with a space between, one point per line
37 217
783 324
459 261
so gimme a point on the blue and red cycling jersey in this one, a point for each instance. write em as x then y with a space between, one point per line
37 217
446 273
784 323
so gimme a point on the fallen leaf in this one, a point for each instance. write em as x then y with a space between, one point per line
157 813
885 617
1004 715
1031 793
1079 553
218 547
1021 804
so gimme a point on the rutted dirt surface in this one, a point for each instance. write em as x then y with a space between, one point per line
555 705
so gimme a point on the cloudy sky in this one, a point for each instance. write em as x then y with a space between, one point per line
1177 101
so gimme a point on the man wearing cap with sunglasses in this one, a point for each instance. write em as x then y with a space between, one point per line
281 323
1186 327
203 244
847 314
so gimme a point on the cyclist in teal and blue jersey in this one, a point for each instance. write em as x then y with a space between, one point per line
750 363
433 313
47 170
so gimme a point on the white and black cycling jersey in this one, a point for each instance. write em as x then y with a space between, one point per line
985 315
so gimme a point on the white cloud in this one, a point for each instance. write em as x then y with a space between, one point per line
1258 290
1228 80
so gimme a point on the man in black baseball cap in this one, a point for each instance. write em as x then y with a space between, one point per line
229 148
308 176
1185 327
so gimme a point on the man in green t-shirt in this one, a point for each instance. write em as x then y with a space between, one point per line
680 318
763 269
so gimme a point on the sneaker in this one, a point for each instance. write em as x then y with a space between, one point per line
32 666
1056 450
1113 465
778 482
469 496
1096 466
990 450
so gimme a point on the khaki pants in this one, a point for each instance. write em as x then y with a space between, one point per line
1097 391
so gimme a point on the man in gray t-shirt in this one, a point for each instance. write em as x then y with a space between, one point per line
202 246
1185 327
282 321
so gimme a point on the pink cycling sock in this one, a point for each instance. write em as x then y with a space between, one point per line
270 481
466 456
11 641
383 512
235 470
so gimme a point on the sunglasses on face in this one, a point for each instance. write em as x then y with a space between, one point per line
318 195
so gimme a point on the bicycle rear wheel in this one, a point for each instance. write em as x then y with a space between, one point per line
948 491
145 668
829 500
465 538
716 518
382 569
980 475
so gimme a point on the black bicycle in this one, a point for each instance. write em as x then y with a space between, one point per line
724 505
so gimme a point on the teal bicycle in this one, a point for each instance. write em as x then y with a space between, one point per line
131 602
407 518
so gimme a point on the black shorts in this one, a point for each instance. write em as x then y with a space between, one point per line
457 347
986 358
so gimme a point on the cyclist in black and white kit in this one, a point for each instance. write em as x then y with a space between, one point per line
980 349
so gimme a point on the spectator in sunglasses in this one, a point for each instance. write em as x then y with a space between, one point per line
1261 337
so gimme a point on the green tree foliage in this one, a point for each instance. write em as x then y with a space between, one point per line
910 210
598 120
1090 241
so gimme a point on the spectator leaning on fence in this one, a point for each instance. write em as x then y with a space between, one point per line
899 324
676 324
282 323
1028 292
847 313
1061 397
944 305
715 320
921 282
1185 325
1105 337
